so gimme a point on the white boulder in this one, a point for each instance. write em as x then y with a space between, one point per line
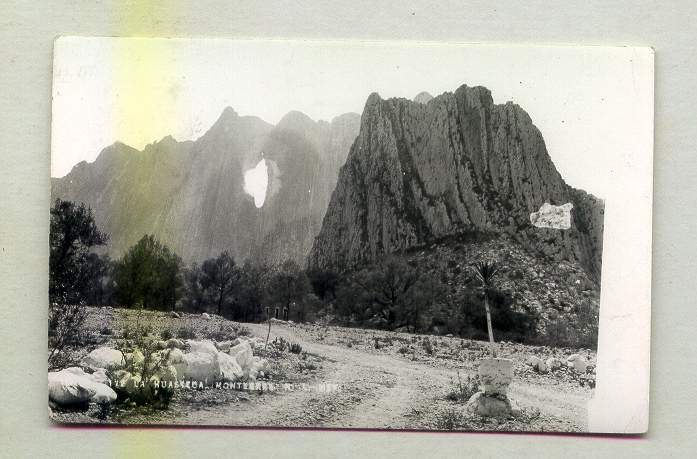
242 347
205 315
176 343
243 354
224 346
177 360
103 393
74 386
577 362
104 357
201 366
542 367
100 376
206 346
65 388
229 369
487 406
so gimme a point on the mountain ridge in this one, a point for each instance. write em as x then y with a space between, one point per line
459 163
190 194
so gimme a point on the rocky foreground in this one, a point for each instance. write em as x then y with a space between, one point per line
318 376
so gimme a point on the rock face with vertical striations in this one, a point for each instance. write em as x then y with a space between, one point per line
454 164
191 196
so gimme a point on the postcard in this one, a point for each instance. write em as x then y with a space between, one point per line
350 235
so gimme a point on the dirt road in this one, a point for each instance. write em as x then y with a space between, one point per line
378 391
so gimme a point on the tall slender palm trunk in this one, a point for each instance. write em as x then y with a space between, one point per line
488 319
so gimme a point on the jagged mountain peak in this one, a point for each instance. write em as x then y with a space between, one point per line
423 97
296 121
191 194
415 175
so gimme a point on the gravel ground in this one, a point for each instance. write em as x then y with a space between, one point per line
387 380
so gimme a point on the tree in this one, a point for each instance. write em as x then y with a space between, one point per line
73 233
485 272
288 285
324 282
393 294
100 285
252 291
148 274
194 299
219 278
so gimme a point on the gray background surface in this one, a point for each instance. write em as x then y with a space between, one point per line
27 30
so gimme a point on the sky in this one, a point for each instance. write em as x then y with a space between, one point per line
584 100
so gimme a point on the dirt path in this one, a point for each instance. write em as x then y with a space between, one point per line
379 391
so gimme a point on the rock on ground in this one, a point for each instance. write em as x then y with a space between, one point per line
104 357
73 386
577 362
489 406
206 346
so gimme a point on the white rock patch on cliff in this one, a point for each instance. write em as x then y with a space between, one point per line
549 216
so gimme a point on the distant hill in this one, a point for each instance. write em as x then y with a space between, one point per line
190 194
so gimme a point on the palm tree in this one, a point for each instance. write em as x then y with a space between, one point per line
485 272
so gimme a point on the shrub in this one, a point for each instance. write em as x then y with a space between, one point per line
224 333
243 331
186 332
137 331
166 334
65 328
280 344
143 364
450 419
106 330
403 350
295 348
464 388
428 347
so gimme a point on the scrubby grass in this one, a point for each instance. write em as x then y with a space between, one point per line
451 419
463 388
186 332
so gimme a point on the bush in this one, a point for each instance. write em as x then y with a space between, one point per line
280 344
106 330
186 332
65 329
223 333
403 350
137 331
464 388
166 334
428 347
143 365
244 331
450 419
295 348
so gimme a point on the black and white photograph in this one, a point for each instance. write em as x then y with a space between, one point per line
342 234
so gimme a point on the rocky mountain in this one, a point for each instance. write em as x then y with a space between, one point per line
423 97
191 194
420 171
